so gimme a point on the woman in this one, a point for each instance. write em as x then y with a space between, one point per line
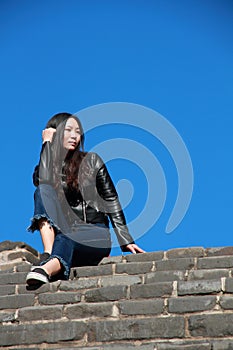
74 200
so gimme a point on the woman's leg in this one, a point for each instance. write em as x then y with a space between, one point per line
59 262
47 234
48 216
91 246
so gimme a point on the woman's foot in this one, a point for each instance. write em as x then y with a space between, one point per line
37 276
43 257
43 274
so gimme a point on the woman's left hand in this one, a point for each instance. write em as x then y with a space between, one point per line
133 248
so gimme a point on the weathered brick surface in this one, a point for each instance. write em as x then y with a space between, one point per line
7 267
162 327
226 302
40 313
85 310
16 301
59 298
154 290
106 294
125 346
229 285
219 251
13 278
81 283
49 287
23 255
120 280
175 264
24 267
7 316
214 325
164 276
182 346
144 307
145 257
223 344
89 271
7 290
134 268
199 287
9 245
215 262
191 304
179 299
51 332
112 260
208 274
185 252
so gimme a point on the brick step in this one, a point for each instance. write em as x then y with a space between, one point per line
156 328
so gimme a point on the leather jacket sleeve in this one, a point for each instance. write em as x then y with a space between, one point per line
43 171
107 191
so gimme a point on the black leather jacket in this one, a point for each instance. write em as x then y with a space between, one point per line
96 200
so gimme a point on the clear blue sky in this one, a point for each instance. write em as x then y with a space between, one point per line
172 56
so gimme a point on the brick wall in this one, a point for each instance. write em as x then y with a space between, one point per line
176 299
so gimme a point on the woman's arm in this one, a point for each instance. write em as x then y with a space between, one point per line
43 171
107 191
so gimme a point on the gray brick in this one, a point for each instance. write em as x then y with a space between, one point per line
145 257
40 313
219 251
84 310
7 316
16 301
112 260
81 283
184 345
59 298
164 276
229 285
212 325
134 268
13 278
223 344
127 346
162 327
48 287
23 268
153 290
119 280
52 332
199 287
175 264
191 304
23 255
215 262
145 307
226 302
106 294
185 252
7 267
208 274
9 245
89 271
7 290
70 347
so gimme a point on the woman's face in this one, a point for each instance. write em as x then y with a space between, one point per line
72 134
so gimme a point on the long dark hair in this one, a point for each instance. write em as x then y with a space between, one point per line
65 163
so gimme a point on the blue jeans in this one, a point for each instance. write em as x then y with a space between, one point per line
77 245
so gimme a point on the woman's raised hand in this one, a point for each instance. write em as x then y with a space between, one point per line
47 134
133 248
